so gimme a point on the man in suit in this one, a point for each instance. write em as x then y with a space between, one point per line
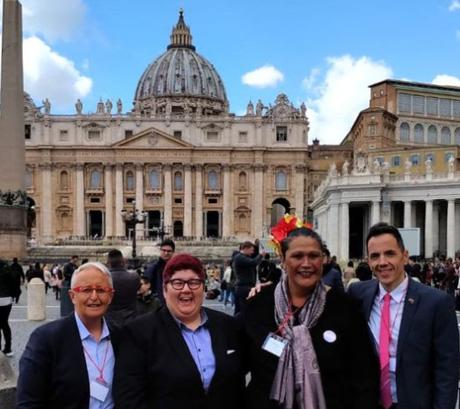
126 284
414 328
68 363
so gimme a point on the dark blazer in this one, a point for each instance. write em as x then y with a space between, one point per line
348 366
427 361
154 368
52 369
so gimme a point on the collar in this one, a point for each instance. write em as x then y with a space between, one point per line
204 320
84 333
398 293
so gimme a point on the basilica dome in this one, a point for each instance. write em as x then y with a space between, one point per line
181 81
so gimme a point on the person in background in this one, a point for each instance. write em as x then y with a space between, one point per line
349 275
228 279
47 277
8 291
331 276
363 271
146 300
18 278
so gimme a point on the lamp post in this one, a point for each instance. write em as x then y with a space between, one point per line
131 218
162 232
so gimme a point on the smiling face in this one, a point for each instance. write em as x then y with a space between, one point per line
303 263
387 260
184 304
93 306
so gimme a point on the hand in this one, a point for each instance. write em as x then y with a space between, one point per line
254 291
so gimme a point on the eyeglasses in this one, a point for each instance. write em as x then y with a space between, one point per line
193 284
88 290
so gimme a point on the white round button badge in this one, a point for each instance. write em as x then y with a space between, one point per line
329 336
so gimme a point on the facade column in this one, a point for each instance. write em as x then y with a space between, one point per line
80 220
344 232
167 201
198 201
375 218
407 214
227 220
428 228
258 192
451 228
299 190
188 230
119 225
332 223
140 197
46 204
108 201
435 233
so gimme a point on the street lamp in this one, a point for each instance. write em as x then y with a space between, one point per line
131 218
163 231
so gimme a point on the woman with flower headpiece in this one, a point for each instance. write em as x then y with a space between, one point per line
307 347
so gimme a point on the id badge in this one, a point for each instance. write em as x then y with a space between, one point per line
98 390
274 344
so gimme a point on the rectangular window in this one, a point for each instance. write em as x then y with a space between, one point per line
445 107
63 135
419 104
242 137
128 133
130 200
415 160
371 129
212 136
281 134
178 200
178 134
432 106
95 200
404 102
94 135
396 161
212 200
27 131
456 108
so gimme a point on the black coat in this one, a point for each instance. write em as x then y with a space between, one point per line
348 366
154 368
8 286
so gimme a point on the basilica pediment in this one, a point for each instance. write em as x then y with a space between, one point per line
152 138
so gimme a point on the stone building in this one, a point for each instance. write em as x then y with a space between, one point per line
404 171
180 156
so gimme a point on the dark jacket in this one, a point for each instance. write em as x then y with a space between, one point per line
154 368
348 366
333 277
245 269
154 272
8 288
147 303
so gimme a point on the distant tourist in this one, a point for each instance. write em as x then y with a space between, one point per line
8 291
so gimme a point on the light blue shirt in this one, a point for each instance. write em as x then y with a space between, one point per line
97 350
398 296
200 346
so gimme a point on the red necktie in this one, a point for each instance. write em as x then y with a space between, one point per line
384 353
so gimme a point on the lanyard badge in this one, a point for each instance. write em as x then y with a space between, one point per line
274 344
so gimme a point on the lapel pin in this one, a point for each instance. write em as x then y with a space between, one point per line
411 300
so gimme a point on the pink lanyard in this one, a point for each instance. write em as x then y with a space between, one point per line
100 378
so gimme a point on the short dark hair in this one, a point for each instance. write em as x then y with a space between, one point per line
301 231
115 259
246 245
326 252
15 260
168 242
385 228
183 262
350 264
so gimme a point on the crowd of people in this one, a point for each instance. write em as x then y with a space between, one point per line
309 335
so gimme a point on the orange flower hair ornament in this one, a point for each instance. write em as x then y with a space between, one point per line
286 224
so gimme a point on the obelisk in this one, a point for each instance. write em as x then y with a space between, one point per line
13 203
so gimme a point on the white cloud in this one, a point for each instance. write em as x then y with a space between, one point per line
310 81
341 95
455 5
263 77
53 19
50 75
444 79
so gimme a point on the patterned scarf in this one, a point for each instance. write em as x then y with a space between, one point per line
297 377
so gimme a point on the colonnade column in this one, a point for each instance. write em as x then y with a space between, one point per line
227 220
167 201
344 231
108 201
119 230
332 239
435 229
258 211
79 220
198 201
451 228
46 203
407 214
139 197
299 190
428 228
188 201
375 218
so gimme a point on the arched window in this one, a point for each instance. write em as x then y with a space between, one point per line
242 181
95 179
280 180
130 184
432 134
154 179
445 136
404 132
419 134
64 180
213 182
457 136
178 186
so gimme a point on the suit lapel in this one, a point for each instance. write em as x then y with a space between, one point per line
218 346
368 299
78 359
410 307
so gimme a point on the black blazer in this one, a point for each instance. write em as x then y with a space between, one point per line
154 368
52 369
348 366
427 357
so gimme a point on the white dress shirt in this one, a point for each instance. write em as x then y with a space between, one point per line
398 295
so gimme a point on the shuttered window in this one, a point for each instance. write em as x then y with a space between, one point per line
404 102
419 104
432 106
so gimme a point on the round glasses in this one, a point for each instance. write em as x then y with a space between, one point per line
193 284
88 290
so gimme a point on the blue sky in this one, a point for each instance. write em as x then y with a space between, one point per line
324 53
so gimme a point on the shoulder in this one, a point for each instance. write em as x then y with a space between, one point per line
360 287
429 294
220 318
340 300
54 330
